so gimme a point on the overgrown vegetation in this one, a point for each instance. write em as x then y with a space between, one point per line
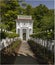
12 49
44 56
9 54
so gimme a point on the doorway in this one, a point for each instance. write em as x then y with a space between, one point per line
24 34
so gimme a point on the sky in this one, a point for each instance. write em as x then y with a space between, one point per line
48 3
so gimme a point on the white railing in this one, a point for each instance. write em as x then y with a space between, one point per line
49 44
6 42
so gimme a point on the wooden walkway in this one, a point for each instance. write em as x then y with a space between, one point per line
25 55
25 50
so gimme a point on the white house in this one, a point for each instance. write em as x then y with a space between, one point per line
24 26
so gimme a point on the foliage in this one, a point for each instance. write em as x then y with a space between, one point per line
12 35
29 10
40 11
43 54
47 22
9 12
3 26
11 49
3 35
42 16
43 35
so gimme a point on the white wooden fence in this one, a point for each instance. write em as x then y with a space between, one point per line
49 44
6 42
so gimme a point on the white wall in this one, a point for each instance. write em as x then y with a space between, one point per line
24 24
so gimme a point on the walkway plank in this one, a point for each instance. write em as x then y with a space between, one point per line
25 49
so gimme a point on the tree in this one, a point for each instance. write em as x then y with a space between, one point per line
47 23
29 10
40 11
9 12
43 18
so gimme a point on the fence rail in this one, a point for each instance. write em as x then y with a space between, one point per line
46 43
6 42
